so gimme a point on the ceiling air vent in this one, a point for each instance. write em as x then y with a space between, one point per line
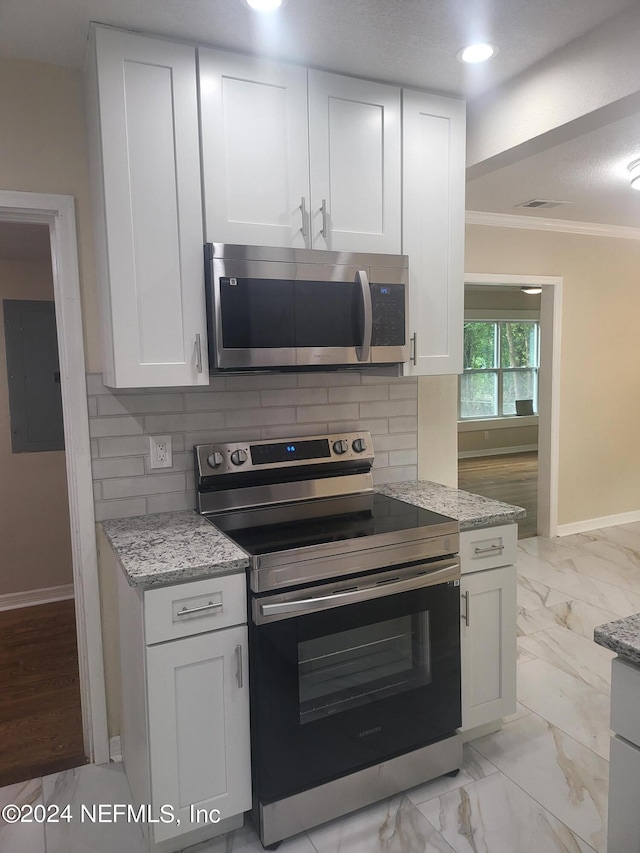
540 202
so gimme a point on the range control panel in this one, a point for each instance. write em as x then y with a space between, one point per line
229 458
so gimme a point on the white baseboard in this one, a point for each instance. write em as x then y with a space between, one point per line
115 749
497 451
596 523
31 597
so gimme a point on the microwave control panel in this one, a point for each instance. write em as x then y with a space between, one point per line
388 309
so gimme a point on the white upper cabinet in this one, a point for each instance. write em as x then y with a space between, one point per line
284 165
354 145
433 229
254 150
145 164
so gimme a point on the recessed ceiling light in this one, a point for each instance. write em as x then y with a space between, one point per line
476 53
531 290
262 5
634 174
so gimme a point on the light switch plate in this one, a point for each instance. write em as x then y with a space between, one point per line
160 451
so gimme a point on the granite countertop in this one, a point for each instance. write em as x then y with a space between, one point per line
472 511
622 637
172 547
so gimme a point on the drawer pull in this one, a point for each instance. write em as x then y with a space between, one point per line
217 605
490 550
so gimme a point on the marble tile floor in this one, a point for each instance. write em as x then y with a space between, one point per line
537 786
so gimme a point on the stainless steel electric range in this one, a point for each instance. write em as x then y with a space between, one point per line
354 627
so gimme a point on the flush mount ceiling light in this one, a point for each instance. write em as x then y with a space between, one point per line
476 53
634 173
531 289
262 5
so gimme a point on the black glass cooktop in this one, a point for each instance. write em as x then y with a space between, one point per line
381 515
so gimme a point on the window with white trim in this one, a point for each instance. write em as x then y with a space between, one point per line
501 363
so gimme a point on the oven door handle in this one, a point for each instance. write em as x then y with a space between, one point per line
282 609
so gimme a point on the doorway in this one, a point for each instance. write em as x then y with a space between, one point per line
39 683
517 458
57 213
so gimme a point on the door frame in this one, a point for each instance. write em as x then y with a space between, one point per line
58 212
548 388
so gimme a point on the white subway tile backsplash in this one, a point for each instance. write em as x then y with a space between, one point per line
133 445
140 404
128 466
222 401
172 502
243 409
306 414
183 422
295 397
260 417
120 509
388 409
100 427
403 457
123 487
362 393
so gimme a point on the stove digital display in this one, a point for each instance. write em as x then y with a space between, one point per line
288 451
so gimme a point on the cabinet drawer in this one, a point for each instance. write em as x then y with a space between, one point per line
488 548
193 608
625 700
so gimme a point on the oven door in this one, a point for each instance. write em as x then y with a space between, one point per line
345 676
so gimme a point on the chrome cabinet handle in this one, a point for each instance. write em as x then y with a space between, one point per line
490 550
198 353
303 214
363 351
413 358
217 605
465 615
239 677
323 211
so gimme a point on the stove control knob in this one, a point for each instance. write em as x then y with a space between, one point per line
215 459
359 445
239 457
340 447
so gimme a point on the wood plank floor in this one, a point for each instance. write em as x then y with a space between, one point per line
511 478
40 715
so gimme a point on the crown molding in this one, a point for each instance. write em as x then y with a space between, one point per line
539 223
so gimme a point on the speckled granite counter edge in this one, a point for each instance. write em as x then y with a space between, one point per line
471 511
622 637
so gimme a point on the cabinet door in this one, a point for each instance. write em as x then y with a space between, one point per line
254 150
354 145
198 699
433 229
149 211
624 783
488 645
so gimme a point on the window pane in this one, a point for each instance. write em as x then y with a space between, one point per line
478 395
518 345
518 385
480 346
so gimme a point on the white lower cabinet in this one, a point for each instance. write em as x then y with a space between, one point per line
185 709
488 645
623 833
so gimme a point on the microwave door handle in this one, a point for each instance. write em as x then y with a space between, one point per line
363 351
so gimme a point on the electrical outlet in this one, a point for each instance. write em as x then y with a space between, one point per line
160 451
486 435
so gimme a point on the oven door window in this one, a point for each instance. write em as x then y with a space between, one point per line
341 671
338 690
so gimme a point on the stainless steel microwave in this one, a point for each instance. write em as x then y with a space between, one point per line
276 308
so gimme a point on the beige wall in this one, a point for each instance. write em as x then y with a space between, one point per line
36 546
43 150
600 365
503 438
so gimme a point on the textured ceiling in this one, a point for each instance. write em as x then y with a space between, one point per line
412 42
